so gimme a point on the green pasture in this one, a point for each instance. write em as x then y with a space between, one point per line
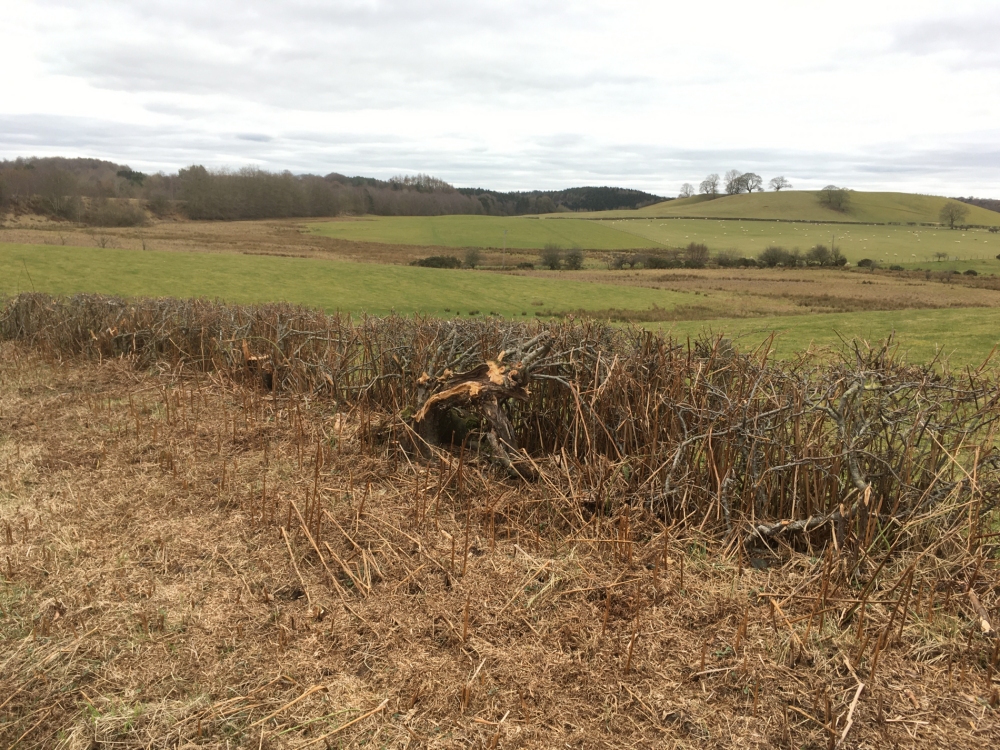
523 233
967 334
326 284
889 245
908 246
804 205
964 336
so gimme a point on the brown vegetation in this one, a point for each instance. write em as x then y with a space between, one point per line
220 529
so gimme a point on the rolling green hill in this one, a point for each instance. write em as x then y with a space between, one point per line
804 205
482 231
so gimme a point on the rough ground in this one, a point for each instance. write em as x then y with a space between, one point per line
160 590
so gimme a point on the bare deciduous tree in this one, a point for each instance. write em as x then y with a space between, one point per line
687 190
751 181
710 185
734 183
779 183
953 213
837 198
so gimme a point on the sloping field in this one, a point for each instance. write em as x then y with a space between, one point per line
804 205
889 245
904 245
480 231
326 284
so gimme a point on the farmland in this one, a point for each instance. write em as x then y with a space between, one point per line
523 233
198 259
804 205
218 531
963 337
885 227
326 284
890 245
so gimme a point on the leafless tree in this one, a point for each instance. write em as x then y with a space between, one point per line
751 181
687 190
710 185
734 183
837 198
779 183
953 213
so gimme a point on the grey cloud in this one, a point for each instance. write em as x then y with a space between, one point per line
332 56
259 137
539 163
972 40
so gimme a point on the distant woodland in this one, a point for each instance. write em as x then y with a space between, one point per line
990 203
102 193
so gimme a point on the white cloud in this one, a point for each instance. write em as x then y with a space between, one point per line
509 95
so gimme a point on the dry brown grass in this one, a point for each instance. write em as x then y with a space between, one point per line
758 292
192 562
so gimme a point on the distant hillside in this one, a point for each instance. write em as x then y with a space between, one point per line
570 199
804 205
990 204
65 188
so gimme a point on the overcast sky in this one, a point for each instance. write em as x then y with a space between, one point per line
516 95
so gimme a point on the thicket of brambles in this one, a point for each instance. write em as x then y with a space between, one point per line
102 193
864 448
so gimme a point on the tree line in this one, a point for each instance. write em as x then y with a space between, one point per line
102 192
697 255
736 182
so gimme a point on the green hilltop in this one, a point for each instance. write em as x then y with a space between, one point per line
804 205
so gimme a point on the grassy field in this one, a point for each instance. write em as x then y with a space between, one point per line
700 300
326 284
964 336
902 245
804 205
481 231
908 246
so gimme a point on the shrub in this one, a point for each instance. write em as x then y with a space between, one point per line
526 266
159 206
728 259
971 272
867 263
895 267
110 213
438 261
696 255
473 257
658 261
818 255
551 257
573 259
777 256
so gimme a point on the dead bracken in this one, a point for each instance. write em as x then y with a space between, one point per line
264 526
